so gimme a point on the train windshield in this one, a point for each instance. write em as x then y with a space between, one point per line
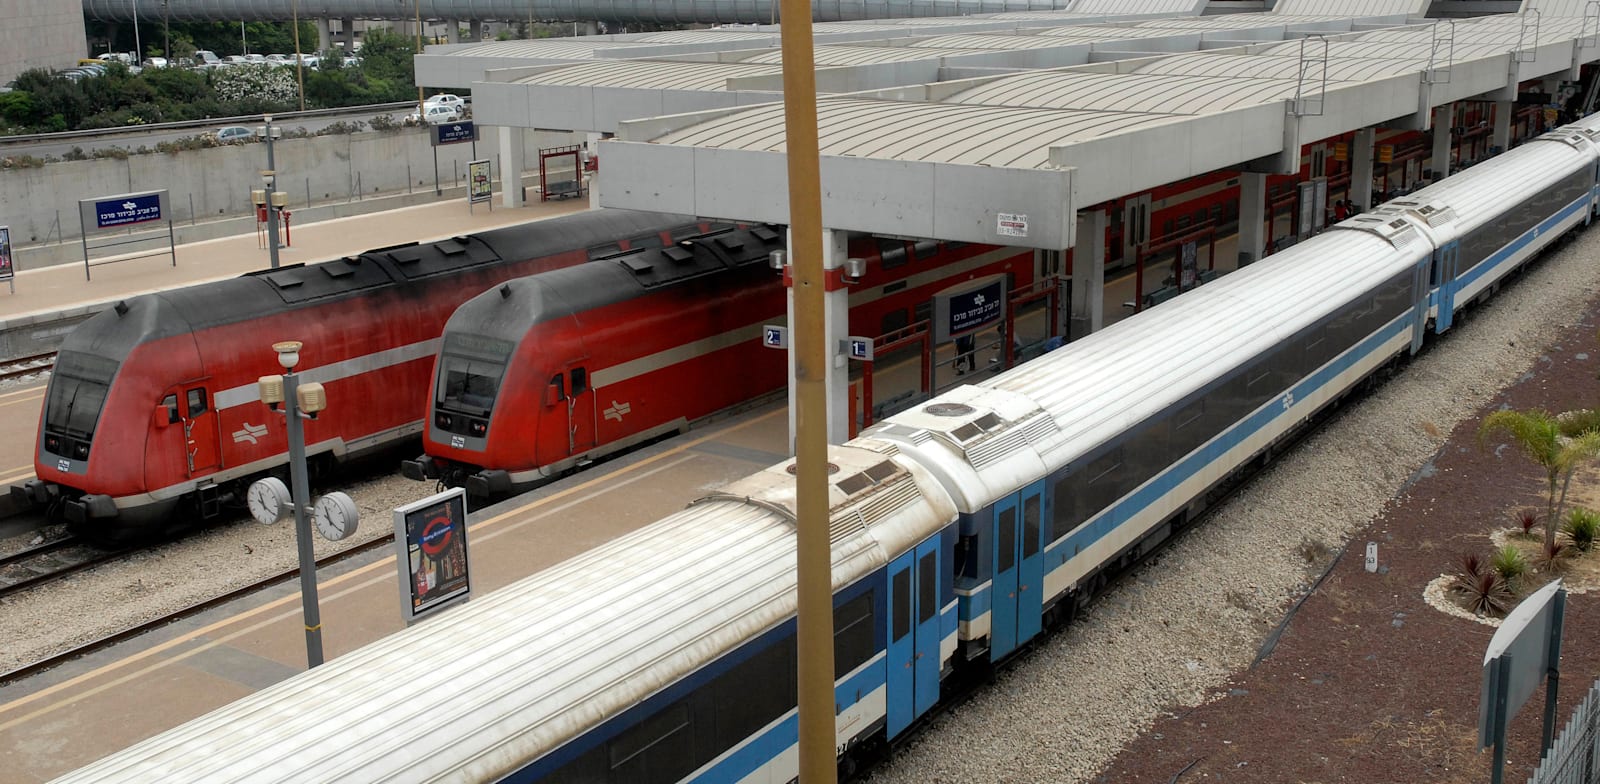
78 389
470 369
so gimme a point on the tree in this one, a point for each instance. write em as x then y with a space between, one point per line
1538 435
388 56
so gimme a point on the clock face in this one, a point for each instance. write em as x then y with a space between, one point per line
336 516
267 498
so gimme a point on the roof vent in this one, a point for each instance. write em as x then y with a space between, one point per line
948 409
794 469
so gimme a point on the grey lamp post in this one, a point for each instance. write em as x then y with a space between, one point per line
275 198
297 402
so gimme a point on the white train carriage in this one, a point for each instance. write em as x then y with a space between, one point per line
667 655
1078 460
1491 219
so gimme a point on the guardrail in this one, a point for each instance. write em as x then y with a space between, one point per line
62 136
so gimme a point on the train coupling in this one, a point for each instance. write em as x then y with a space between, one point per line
82 509
421 469
487 484
34 492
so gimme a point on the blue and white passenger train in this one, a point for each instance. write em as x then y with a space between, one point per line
960 529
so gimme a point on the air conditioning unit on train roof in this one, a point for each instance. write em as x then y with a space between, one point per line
1435 213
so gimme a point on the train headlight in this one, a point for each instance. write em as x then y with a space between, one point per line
443 420
479 428
53 443
81 451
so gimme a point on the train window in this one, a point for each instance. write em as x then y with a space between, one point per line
1005 548
927 587
749 695
1104 468
580 381
892 253
197 402
852 635
558 388
902 603
78 389
894 321
1030 526
657 749
926 249
170 403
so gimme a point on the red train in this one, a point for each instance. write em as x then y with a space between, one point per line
543 374
152 423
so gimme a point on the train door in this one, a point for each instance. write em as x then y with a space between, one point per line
1135 224
200 430
913 635
1448 258
1017 596
580 409
166 458
1419 304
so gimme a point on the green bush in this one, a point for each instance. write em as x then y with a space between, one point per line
1576 423
1581 527
1510 564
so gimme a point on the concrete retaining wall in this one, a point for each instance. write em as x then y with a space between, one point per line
41 205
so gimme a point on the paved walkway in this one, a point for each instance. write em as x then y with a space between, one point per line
56 288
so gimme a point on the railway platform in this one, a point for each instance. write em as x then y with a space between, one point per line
62 719
50 300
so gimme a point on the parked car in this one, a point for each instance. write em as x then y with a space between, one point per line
445 99
434 115
154 62
352 61
234 134
308 61
279 59
207 59
255 59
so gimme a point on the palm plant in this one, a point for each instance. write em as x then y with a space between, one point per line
1485 590
1539 436
1510 564
1581 528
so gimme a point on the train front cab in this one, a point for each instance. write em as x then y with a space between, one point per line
1000 571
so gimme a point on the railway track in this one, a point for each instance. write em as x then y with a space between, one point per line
24 366
49 561
57 660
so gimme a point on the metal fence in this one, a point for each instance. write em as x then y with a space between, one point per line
1574 758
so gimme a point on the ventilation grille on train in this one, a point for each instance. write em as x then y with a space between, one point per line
915 435
881 447
1031 430
879 507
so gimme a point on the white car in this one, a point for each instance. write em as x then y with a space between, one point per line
435 114
446 99
279 59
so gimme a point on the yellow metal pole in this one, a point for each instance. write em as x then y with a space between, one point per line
299 68
815 573
422 107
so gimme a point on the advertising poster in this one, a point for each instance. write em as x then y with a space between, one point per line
8 269
479 185
431 550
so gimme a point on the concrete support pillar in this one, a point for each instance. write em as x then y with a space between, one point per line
1361 169
1089 274
592 148
453 32
1502 125
324 34
348 34
511 166
1253 217
591 28
475 30
836 315
1440 161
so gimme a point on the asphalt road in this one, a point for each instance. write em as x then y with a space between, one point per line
131 139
